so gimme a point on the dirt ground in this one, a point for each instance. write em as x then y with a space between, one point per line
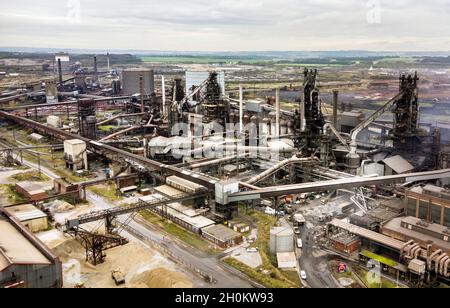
143 267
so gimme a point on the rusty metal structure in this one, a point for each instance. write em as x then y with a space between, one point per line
309 119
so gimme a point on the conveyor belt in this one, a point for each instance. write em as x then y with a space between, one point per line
347 183
137 161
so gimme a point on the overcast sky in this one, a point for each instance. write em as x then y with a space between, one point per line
227 25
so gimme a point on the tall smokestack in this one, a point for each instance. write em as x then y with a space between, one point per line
241 108
107 59
335 107
278 111
163 90
141 85
61 83
95 69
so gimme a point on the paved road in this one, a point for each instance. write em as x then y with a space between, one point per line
206 263
315 263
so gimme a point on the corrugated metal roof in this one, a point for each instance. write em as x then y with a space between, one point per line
371 235
398 164
26 212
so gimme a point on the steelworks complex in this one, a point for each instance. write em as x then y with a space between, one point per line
230 169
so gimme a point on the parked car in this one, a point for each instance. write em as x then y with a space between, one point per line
252 250
299 243
303 275
296 230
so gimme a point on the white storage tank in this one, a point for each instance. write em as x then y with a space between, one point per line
54 121
281 240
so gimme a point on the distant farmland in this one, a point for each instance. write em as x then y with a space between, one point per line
202 60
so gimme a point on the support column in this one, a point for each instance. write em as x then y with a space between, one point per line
335 107
278 111
241 109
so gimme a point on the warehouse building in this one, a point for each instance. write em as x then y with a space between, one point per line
32 191
421 232
25 262
222 236
30 216
430 203
131 81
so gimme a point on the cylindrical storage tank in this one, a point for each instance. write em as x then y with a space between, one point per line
91 127
131 81
281 240
283 127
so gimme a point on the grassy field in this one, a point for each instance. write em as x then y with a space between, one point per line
363 276
200 60
33 176
9 193
189 238
108 192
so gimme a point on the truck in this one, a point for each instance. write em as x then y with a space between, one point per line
118 277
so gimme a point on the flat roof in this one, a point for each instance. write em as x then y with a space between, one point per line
395 226
398 164
371 235
186 210
283 257
169 191
15 248
221 232
26 212
198 222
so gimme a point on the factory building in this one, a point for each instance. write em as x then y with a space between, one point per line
25 262
222 236
32 191
75 154
30 216
430 203
421 232
131 81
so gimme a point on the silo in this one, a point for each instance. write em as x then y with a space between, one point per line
281 240
131 81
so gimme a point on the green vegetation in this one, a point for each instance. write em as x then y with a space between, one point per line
108 192
12 196
379 258
193 240
203 60
32 176
106 128
363 275
274 277
69 175
265 279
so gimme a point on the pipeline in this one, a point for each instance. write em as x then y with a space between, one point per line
433 255
215 162
336 133
409 243
446 272
280 165
438 262
442 264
